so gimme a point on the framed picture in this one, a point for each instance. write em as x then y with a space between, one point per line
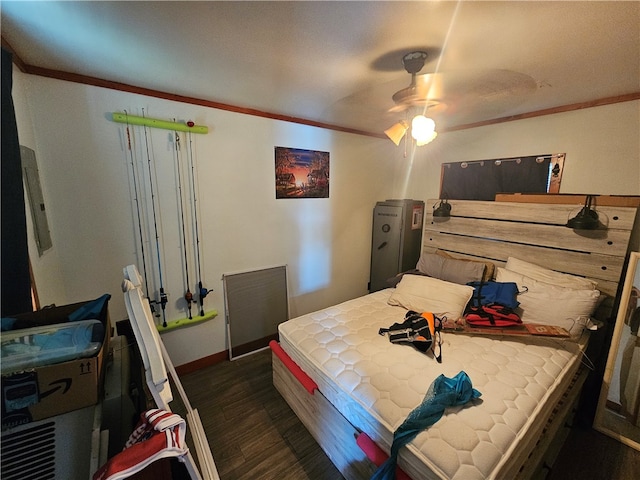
618 413
301 173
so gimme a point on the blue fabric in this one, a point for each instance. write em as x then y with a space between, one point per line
444 392
90 310
7 323
503 293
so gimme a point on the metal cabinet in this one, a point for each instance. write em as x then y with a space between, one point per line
396 239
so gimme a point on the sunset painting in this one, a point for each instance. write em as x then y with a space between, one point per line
301 173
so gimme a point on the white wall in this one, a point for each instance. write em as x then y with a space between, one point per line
85 174
602 146
47 267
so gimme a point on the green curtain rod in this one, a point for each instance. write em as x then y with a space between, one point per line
153 123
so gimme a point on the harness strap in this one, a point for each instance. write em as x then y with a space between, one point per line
477 295
422 330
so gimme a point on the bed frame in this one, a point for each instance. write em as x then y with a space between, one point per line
493 231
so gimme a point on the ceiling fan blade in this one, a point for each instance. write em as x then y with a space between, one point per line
462 92
424 89
431 106
487 85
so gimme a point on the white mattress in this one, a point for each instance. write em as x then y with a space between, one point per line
375 384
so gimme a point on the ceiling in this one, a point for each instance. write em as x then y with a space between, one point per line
339 63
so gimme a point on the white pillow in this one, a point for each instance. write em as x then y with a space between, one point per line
548 276
427 294
550 304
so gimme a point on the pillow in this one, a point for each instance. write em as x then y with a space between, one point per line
450 269
427 294
550 304
393 281
489 267
548 276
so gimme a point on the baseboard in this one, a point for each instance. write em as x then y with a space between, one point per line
203 362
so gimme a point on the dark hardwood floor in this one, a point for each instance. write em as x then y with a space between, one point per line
253 433
591 455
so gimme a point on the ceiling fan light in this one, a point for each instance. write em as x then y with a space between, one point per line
423 129
397 131
430 139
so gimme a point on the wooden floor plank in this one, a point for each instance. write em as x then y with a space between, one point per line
252 432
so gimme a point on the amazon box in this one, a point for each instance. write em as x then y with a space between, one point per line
40 392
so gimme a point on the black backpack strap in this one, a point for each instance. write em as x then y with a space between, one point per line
398 331
482 313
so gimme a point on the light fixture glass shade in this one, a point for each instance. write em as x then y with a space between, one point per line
423 129
397 131
427 140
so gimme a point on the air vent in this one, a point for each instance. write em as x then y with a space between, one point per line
29 454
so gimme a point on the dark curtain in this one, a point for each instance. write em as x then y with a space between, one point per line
16 282
482 180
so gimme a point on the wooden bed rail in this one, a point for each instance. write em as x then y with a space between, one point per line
376 454
299 374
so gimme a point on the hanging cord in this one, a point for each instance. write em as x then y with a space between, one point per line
135 194
163 295
202 291
188 296
564 344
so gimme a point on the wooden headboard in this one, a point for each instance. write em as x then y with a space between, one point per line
536 232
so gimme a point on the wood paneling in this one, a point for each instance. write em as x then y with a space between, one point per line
535 233
570 198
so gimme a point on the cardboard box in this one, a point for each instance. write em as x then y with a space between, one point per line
49 390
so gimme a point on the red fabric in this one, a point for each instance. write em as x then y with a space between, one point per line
159 434
136 457
295 370
376 454
492 315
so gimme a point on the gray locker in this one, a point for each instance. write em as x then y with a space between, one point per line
396 239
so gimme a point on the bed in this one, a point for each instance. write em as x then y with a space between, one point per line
351 387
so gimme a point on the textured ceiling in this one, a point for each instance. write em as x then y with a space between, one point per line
339 63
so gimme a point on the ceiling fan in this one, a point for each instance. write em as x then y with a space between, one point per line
493 90
423 93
